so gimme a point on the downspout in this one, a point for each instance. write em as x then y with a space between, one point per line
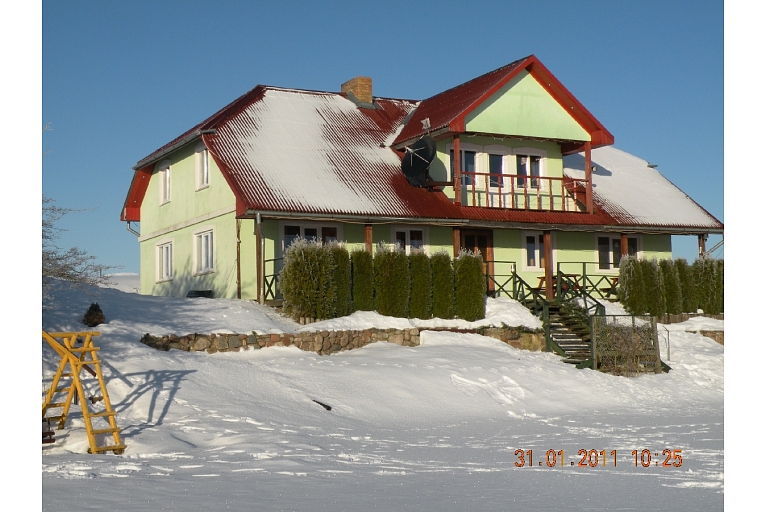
259 259
239 279
128 226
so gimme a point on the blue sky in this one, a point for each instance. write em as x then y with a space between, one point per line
120 79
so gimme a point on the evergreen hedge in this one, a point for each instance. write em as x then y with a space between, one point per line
709 288
420 303
653 282
672 287
442 285
672 291
631 286
470 286
720 286
341 279
362 280
306 280
687 285
391 281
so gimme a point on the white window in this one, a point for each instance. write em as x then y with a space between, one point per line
530 164
533 251
202 175
497 163
324 233
609 250
165 182
409 238
165 261
469 162
204 252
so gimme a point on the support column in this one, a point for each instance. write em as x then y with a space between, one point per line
702 245
548 271
456 171
369 238
239 276
456 242
624 245
588 174
259 262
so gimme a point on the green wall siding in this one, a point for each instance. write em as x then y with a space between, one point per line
524 108
189 211
223 279
186 202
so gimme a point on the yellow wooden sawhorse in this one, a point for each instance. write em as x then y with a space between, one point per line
74 359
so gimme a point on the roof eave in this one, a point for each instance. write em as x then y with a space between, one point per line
159 155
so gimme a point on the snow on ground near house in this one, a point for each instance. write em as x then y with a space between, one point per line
698 323
434 427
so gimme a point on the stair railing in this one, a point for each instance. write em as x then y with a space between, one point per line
532 299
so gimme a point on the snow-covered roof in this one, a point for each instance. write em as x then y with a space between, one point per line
319 153
635 194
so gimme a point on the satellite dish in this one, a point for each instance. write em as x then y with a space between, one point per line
418 156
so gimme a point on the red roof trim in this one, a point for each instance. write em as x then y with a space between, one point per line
600 136
139 183
480 88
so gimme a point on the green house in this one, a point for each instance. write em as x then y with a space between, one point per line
522 173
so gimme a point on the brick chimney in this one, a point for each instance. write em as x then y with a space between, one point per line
361 87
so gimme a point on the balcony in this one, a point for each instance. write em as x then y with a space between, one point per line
522 192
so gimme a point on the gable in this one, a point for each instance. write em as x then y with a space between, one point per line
522 107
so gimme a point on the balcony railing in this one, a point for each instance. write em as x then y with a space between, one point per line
522 192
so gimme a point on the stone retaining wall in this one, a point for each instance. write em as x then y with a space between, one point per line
329 342
718 336
676 319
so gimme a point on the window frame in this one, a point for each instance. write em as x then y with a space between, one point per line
501 151
198 239
319 226
539 251
466 180
613 266
529 152
202 167
407 229
164 173
164 261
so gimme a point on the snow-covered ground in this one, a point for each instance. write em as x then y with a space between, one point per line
435 427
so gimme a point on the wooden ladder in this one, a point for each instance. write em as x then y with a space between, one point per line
67 385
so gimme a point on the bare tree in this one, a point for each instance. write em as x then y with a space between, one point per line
73 265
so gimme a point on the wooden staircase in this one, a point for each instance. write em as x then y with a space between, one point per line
569 335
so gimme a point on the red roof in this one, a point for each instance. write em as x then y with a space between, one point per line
288 151
450 108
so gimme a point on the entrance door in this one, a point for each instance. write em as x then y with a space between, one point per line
481 241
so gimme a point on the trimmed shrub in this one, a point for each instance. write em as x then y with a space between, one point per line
341 279
673 294
470 286
708 287
653 283
362 280
306 280
391 281
720 304
687 285
442 285
420 303
631 287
